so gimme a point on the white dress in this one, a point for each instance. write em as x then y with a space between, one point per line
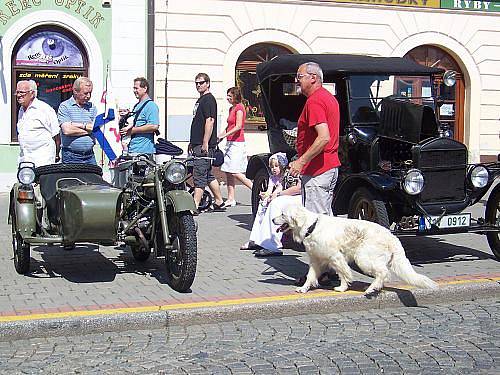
264 230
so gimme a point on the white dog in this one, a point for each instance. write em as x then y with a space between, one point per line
334 242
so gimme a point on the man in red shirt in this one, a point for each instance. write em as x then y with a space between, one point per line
317 141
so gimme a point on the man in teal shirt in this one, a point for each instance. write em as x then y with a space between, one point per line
146 121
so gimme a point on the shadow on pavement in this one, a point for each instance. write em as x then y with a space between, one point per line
86 264
244 221
428 250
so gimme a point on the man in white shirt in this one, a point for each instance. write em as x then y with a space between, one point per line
37 127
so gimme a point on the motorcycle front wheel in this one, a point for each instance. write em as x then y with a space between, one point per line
181 260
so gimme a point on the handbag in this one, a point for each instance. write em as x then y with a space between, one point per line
218 156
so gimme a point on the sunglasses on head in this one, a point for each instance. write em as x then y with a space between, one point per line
197 83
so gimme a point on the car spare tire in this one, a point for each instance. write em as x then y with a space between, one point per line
68 168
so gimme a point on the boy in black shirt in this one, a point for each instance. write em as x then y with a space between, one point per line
203 141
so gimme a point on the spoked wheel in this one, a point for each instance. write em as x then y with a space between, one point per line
21 249
493 217
181 260
140 252
259 186
366 205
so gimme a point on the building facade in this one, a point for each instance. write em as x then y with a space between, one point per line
227 38
55 41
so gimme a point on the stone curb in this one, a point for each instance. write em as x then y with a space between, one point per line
390 298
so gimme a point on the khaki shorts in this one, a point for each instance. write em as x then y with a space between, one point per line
317 191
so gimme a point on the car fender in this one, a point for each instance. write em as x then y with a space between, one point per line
257 162
25 213
180 200
347 186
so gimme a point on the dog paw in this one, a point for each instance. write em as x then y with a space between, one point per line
369 293
340 289
301 290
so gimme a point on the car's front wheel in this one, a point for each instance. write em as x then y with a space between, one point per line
367 205
22 256
493 217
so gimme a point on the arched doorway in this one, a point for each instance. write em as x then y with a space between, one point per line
451 111
246 78
52 57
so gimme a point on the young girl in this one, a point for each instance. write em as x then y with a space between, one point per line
264 237
277 165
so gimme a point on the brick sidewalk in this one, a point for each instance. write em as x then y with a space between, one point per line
92 278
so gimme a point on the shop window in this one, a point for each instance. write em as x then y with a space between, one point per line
54 59
246 78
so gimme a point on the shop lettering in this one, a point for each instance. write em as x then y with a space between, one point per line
46 75
88 12
61 59
25 75
71 76
471 4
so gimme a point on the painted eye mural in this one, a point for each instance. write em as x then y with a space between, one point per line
49 48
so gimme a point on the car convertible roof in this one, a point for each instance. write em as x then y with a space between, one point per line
343 65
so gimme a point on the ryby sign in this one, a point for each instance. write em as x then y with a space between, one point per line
485 6
14 8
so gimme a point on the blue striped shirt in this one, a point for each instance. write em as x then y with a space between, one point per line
70 111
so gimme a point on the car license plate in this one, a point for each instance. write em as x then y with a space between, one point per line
447 221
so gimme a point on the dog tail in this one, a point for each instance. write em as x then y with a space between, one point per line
402 267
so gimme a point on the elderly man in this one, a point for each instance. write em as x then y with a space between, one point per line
317 141
37 127
146 120
76 118
317 145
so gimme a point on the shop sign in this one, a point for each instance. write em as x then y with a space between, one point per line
484 6
49 48
79 8
401 3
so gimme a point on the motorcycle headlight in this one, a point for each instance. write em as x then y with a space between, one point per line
413 182
175 173
26 175
479 176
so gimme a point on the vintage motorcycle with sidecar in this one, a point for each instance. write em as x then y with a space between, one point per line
69 203
401 166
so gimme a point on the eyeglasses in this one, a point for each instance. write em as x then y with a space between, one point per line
299 76
199 83
22 93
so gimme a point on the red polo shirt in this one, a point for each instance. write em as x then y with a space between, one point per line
321 107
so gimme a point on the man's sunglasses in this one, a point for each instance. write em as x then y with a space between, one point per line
199 83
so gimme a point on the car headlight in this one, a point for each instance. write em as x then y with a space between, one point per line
26 175
175 173
479 176
413 182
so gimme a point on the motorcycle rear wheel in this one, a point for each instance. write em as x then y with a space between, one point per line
181 260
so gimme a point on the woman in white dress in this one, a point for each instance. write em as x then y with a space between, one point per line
235 156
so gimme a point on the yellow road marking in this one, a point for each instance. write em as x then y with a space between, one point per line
208 304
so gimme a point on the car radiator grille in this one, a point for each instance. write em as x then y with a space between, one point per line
445 175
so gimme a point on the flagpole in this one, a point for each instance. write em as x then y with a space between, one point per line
105 108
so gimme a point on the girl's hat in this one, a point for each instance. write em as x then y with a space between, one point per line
280 158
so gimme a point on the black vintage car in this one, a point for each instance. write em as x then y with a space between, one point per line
400 167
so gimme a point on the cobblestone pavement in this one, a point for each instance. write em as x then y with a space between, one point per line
92 277
460 338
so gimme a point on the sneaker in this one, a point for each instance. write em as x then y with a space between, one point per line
230 203
219 207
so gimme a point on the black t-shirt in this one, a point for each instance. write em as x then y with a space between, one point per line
205 107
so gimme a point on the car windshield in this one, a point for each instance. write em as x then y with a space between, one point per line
367 91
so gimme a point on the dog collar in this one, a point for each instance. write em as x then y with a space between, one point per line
311 228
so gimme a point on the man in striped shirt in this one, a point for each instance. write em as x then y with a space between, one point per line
76 118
